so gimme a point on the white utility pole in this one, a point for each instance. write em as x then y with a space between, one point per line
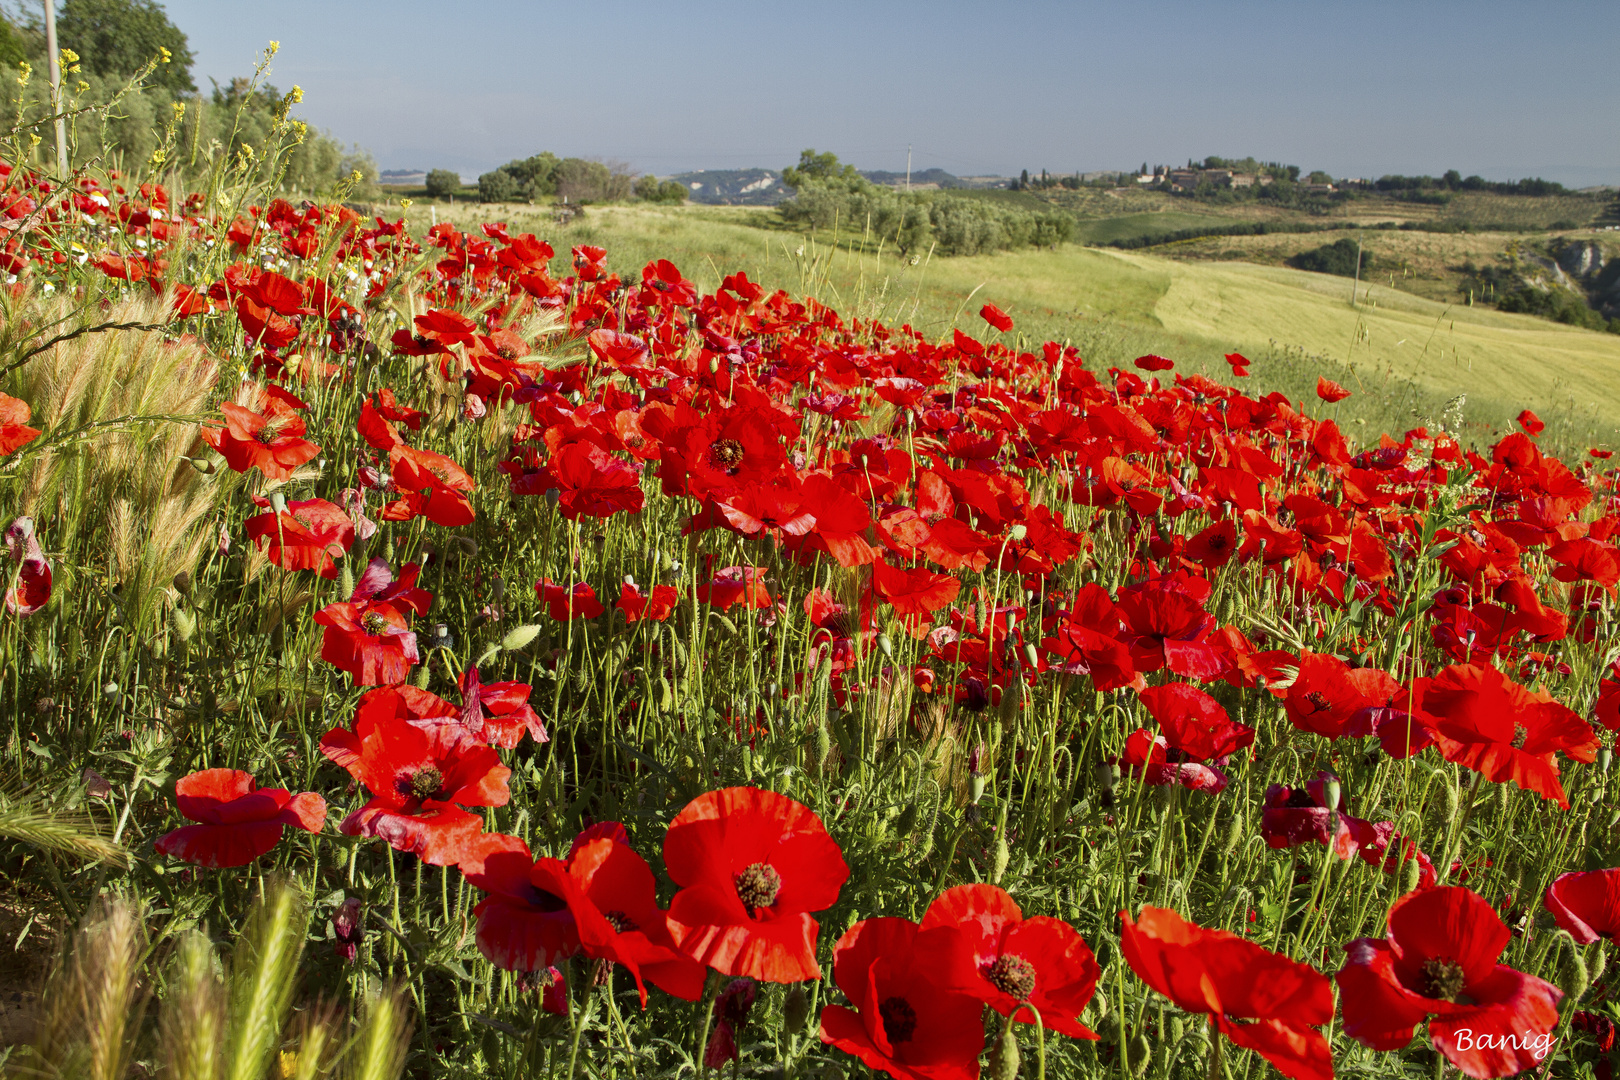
908 161
54 66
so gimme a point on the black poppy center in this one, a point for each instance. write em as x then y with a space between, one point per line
1011 975
1318 700
424 783
899 1019
757 886
726 454
1443 979
621 923
1218 541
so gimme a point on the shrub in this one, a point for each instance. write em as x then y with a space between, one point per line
1340 257
442 183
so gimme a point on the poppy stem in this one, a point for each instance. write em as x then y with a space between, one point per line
1040 1035
584 1017
1216 1070
708 1020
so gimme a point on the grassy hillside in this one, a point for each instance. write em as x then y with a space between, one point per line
1405 356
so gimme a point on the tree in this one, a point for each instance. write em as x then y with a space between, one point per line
13 49
813 166
499 186
115 38
442 183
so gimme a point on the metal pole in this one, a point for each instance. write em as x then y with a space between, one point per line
54 65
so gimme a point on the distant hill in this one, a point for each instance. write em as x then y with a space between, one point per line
734 187
924 178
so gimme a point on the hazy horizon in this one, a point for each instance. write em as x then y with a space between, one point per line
1493 89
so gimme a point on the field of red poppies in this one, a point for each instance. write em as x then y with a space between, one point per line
591 676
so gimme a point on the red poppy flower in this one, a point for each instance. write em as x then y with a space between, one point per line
1302 815
1331 698
564 603
590 482
1438 962
269 439
734 585
308 535
1213 546
237 820
1586 904
918 592
1151 759
904 1017
14 429
1330 391
370 636
611 891
1478 714
997 318
1531 423
522 926
1166 626
1239 364
1151 362
431 486
1011 959
419 777
499 713
656 606
1231 978
1195 723
751 865
33 582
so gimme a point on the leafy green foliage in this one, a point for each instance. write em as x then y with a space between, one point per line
650 189
814 167
114 38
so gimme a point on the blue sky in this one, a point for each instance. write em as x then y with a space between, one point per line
1500 89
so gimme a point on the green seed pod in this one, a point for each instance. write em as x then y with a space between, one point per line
976 783
1605 758
422 677
907 820
1331 793
823 743
796 1009
1107 776
1032 658
346 580
666 694
1234 836
202 465
1600 960
1453 799
1004 1056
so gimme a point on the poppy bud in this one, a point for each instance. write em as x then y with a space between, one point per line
666 694
1018 532
796 1009
1453 797
1141 1051
182 583
497 588
1004 1055
1107 776
886 645
823 742
1605 758
1003 857
1600 961
1031 656
421 679
1575 978
110 690
185 623
907 820
1412 876
975 787
1330 793
520 636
